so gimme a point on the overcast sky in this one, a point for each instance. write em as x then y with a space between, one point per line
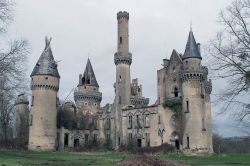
88 28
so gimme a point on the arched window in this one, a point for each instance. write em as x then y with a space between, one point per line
146 121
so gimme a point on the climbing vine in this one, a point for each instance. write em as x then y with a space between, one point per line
175 105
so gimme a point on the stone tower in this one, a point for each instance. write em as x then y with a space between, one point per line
122 60
197 134
44 86
21 123
87 95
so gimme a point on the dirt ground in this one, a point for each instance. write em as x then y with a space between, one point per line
143 160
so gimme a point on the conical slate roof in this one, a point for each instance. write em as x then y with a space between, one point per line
191 50
46 64
89 75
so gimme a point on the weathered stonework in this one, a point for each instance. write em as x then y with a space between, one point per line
44 86
21 120
181 115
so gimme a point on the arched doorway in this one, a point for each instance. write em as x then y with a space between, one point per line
138 139
174 139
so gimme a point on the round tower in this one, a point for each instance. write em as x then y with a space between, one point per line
87 95
196 108
44 86
122 60
21 120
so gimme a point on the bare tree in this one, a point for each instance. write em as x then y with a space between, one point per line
13 57
230 52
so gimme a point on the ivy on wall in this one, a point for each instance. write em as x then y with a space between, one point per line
175 105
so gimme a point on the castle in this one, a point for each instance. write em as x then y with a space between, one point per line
181 116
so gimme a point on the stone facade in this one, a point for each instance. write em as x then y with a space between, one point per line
181 115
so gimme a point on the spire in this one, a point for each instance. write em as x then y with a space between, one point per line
46 64
192 49
89 75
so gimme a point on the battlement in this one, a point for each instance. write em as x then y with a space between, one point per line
122 15
139 101
187 74
91 96
119 58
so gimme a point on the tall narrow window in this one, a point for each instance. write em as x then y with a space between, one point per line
146 121
130 123
120 40
119 141
187 105
32 101
86 138
120 100
95 137
108 125
120 78
130 137
188 142
203 125
202 90
159 120
147 139
176 92
31 119
138 123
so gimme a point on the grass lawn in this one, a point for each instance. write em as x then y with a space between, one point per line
28 158
220 160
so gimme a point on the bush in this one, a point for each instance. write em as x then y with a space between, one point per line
231 145
131 147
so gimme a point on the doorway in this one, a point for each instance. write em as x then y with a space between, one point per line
66 140
139 143
177 144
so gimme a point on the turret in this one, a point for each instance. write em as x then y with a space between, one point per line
44 86
196 106
87 95
192 56
21 123
122 60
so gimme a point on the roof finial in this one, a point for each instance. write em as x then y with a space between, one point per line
47 41
191 26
